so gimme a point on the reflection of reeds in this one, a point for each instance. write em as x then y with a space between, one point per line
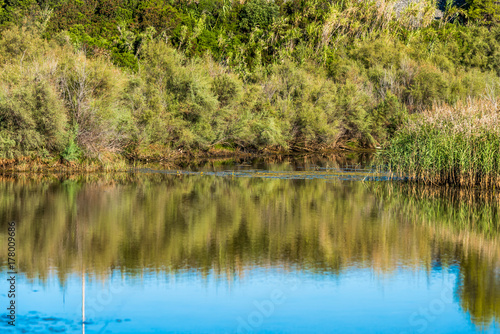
466 223
457 145
458 209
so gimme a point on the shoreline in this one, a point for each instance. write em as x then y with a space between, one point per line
120 164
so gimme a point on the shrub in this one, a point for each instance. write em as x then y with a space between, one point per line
32 116
182 96
71 152
91 89
227 88
484 11
257 13
428 86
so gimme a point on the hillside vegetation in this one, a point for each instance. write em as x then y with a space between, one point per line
104 80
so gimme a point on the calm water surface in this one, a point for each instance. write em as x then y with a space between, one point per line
291 247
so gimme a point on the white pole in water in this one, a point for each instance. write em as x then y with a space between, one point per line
79 245
83 300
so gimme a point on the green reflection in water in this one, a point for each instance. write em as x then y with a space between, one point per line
228 224
468 223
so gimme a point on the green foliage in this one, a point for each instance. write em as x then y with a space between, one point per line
226 88
484 11
157 14
71 152
32 118
144 78
387 117
429 85
257 14
15 43
179 97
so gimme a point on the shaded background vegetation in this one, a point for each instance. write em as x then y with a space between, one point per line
106 79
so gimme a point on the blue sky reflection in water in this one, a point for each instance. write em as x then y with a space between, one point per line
214 254
359 301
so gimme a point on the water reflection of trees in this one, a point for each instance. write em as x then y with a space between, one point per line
228 224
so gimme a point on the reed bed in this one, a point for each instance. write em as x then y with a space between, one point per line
450 145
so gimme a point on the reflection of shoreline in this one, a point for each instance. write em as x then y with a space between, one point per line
93 193
206 224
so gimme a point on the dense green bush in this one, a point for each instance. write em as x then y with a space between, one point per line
100 78
257 14
32 119
486 11
32 116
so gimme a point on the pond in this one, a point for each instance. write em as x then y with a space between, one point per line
295 246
